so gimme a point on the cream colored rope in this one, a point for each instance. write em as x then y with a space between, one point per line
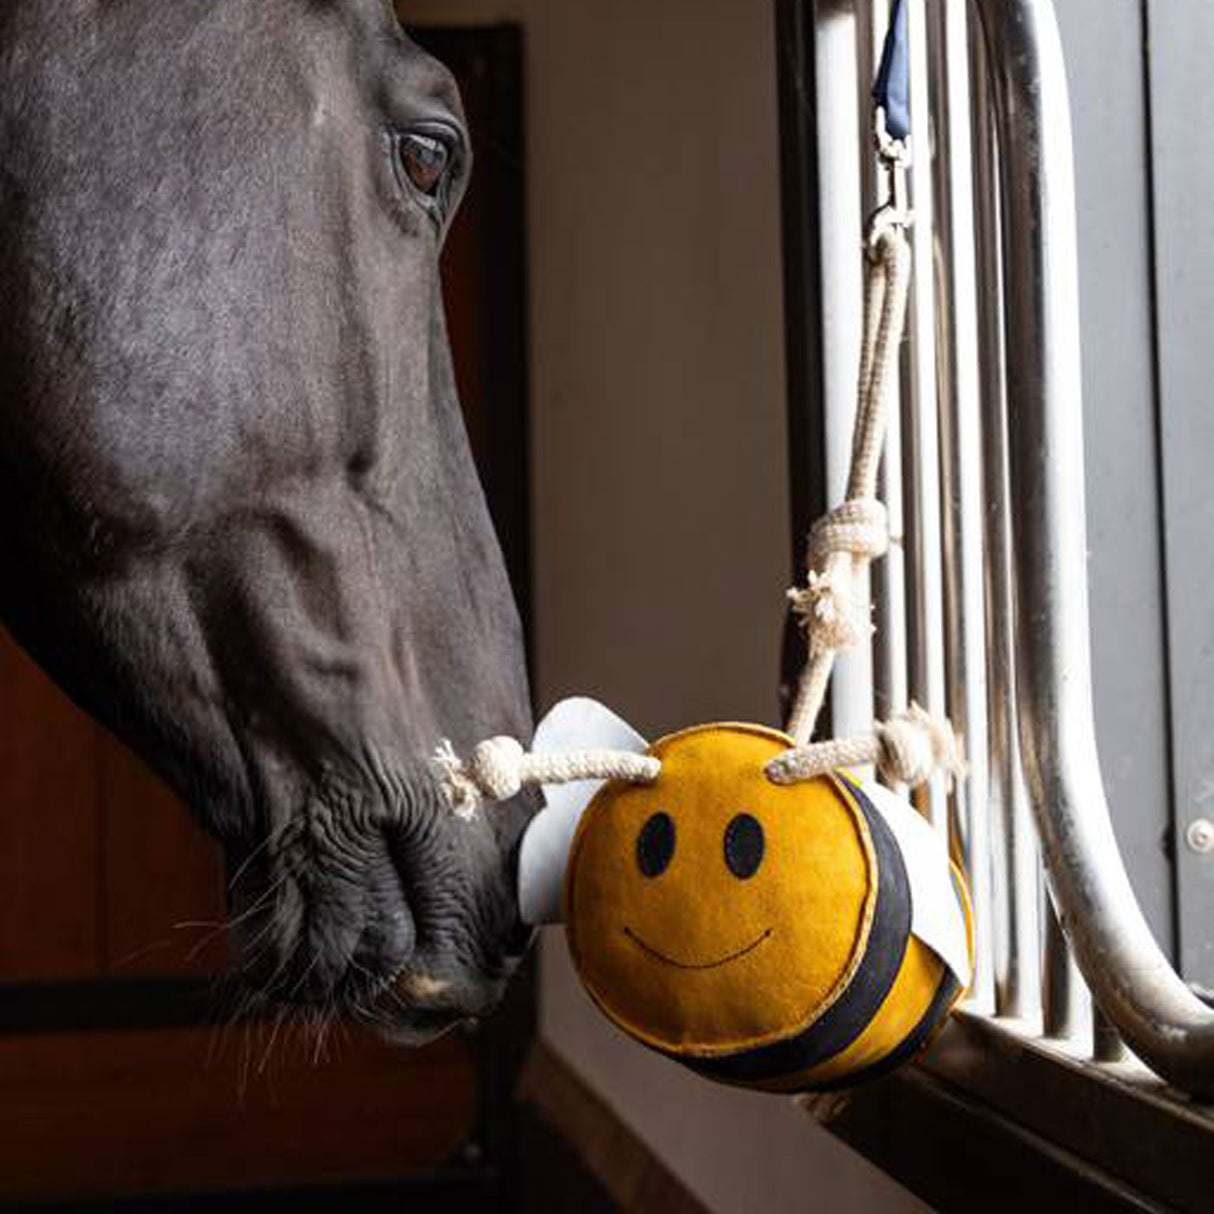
499 768
838 553
843 542
906 749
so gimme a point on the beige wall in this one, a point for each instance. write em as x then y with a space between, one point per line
661 542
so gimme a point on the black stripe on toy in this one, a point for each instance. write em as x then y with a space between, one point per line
910 1045
850 1014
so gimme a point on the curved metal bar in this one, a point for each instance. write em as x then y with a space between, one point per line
1133 982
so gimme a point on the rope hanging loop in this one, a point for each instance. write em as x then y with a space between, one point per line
911 746
843 543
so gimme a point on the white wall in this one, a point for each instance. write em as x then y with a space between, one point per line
660 483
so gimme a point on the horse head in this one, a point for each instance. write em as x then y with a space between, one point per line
241 522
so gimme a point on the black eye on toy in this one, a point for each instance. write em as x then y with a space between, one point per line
744 846
655 845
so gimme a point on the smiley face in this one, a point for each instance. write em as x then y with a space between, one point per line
713 910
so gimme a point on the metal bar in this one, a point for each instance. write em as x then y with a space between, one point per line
890 689
802 299
1066 1003
1059 1007
1014 860
922 502
872 20
1107 1045
891 692
961 460
1161 1020
840 237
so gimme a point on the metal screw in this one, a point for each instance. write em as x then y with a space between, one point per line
1200 835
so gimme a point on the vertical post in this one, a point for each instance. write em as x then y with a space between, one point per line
926 611
1014 858
1066 1004
1161 1019
961 458
1107 1045
890 688
840 235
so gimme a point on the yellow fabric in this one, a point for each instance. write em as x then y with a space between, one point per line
742 962
904 1007
906 1004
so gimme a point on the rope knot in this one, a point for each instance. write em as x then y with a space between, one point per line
458 787
826 611
496 767
915 744
858 527
499 768
494 770
907 749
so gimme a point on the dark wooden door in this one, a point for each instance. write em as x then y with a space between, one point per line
112 1081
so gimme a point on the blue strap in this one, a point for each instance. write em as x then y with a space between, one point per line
891 89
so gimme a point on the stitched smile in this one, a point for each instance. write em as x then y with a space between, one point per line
687 965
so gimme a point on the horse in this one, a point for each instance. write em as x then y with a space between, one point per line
240 519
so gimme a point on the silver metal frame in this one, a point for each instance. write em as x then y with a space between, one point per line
1133 982
991 619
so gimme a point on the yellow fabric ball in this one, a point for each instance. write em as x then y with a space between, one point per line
758 933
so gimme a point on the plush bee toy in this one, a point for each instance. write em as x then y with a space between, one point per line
785 937
734 897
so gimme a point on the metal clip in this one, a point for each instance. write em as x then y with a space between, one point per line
894 157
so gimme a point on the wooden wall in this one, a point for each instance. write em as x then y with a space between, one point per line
111 1080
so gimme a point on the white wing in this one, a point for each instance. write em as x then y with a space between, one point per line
579 723
936 918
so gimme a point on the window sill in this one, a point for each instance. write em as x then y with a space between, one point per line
997 1113
993 1118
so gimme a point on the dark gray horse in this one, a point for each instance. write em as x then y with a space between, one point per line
239 516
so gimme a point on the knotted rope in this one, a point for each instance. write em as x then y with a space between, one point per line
825 607
499 768
909 748
906 749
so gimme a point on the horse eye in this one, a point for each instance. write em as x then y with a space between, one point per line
655 845
743 846
425 159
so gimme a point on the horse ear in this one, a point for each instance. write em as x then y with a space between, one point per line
579 723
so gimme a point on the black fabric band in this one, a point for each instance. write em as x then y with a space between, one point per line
946 992
851 1013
